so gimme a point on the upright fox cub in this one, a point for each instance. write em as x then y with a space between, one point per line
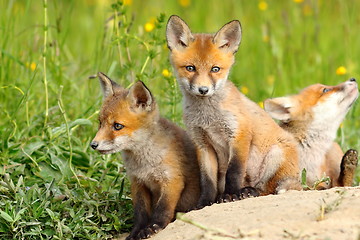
159 157
238 143
313 116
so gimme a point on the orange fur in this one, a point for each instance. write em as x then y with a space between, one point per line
159 157
332 163
313 117
239 145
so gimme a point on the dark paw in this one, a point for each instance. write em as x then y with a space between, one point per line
248 192
201 206
224 198
350 159
203 203
131 237
149 231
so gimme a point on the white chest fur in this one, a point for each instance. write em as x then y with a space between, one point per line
147 163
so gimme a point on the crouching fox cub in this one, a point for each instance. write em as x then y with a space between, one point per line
313 116
159 157
239 146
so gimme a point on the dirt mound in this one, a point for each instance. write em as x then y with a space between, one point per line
330 214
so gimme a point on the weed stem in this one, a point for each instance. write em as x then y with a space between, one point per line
116 26
44 64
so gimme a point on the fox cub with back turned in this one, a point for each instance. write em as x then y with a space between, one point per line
313 116
159 157
238 143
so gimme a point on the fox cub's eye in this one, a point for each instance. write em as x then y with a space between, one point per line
118 126
325 90
190 68
215 69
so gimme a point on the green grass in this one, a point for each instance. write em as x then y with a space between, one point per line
53 185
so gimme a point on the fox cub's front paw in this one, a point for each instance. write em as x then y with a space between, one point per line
248 192
224 198
149 231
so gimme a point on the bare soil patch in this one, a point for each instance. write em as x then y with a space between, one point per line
329 214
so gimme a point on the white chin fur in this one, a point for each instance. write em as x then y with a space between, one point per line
352 93
332 111
117 145
108 151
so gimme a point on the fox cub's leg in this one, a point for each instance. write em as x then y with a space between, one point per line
164 207
347 168
223 157
236 173
208 175
285 178
233 188
141 198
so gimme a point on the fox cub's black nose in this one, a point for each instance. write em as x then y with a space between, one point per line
203 90
352 80
94 144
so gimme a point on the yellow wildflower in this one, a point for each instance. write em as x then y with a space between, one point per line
298 1
263 5
149 26
341 70
244 90
166 73
31 66
127 2
261 104
184 3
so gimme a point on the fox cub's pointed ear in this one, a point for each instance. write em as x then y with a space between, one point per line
279 108
229 36
108 86
178 34
140 97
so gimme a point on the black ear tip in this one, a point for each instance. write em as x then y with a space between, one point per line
174 17
236 22
102 75
139 83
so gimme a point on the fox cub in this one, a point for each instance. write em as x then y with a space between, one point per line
313 116
159 157
240 148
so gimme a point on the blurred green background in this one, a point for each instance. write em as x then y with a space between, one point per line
53 185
